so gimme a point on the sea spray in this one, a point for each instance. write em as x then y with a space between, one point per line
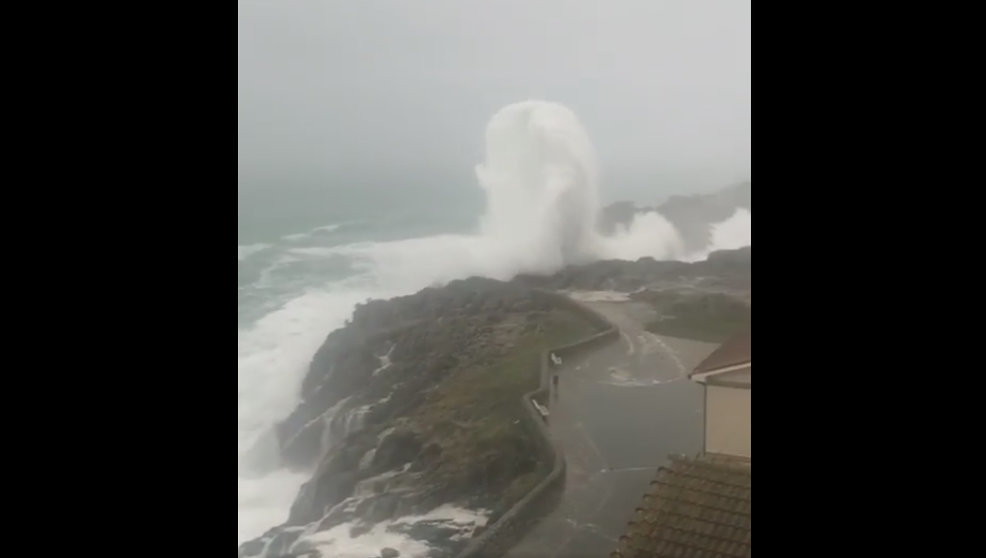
539 176
734 232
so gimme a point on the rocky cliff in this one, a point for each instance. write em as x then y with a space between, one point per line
416 404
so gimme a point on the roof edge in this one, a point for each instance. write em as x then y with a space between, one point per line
735 351
702 374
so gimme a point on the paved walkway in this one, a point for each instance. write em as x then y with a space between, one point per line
618 412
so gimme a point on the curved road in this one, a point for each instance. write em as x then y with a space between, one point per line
618 411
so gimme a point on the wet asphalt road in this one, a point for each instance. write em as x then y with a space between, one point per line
619 412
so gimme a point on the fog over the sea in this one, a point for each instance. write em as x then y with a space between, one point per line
392 94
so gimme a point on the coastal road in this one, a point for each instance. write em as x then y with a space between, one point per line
618 412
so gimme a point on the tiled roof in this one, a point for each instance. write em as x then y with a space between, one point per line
697 508
736 350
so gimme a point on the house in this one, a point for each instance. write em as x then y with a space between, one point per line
700 507
726 377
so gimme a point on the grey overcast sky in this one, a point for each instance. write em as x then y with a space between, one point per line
406 86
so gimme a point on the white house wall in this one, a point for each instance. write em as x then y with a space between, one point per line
727 420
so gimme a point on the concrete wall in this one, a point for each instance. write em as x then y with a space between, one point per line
506 531
727 420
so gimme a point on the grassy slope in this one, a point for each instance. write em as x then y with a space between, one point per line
709 331
476 415
711 319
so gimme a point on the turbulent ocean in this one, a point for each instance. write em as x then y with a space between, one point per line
307 255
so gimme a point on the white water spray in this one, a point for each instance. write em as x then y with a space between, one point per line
540 177
734 232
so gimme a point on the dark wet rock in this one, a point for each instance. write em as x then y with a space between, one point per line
436 533
428 456
380 509
282 543
726 270
396 449
252 548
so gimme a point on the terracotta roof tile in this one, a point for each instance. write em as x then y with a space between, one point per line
736 350
696 508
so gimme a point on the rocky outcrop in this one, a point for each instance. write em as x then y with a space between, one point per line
416 404
726 271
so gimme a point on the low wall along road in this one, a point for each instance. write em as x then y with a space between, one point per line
498 537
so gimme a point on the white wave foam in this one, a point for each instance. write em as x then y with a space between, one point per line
328 228
324 229
735 232
265 277
540 178
273 356
338 543
262 502
540 182
619 377
649 235
598 296
244 252
313 251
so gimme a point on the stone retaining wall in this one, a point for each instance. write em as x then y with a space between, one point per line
497 538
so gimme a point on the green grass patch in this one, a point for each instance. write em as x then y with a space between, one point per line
705 317
710 331
477 416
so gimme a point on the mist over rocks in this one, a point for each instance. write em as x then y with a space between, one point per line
692 216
